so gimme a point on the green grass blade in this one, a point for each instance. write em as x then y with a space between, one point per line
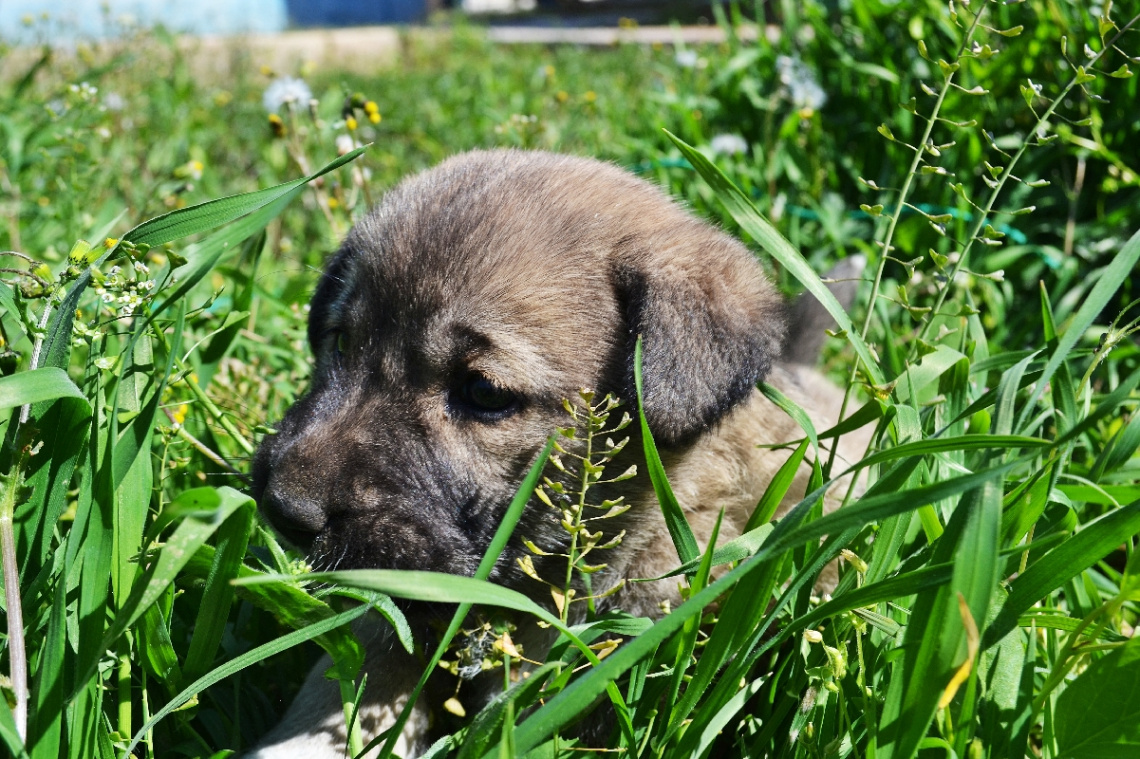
1091 544
239 663
679 529
9 734
44 727
761 230
776 490
230 546
215 213
1110 280
936 637
203 511
790 408
64 426
221 342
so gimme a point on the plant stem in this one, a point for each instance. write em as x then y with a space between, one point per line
1005 175
17 652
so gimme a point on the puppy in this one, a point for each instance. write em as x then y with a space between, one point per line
447 331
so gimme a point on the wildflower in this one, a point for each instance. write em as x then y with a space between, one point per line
728 144
590 96
344 144
110 242
277 125
686 59
373 111
285 90
350 123
802 88
114 102
179 414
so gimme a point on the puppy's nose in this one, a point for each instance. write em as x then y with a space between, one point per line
298 519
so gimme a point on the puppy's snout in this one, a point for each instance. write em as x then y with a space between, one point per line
298 519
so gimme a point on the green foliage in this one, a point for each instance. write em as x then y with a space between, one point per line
977 154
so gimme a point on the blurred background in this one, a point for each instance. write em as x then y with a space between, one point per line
87 19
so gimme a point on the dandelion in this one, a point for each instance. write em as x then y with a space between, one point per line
728 144
114 102
285 90
802 88
686 59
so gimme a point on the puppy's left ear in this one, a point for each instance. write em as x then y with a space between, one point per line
711 326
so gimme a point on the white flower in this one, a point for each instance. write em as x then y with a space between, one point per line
803 90
686 59
113 101
344 144
285 89
728 144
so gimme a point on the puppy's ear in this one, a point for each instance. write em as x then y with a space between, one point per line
711 325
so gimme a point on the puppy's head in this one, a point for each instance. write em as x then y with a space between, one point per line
457 316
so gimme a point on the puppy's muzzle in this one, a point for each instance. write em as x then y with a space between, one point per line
298 519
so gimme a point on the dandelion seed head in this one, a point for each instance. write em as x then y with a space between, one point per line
799 80
284 90
728 144
686 59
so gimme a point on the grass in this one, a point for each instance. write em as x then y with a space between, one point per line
978 155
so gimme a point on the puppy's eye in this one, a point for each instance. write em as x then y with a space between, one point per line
482 395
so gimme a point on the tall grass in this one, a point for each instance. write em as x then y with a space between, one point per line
989 580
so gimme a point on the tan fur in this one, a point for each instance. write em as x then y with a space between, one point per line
535 273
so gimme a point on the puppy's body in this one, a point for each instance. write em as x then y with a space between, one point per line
447 331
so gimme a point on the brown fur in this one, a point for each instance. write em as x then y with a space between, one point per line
535 273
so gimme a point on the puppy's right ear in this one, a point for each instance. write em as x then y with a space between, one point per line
711 325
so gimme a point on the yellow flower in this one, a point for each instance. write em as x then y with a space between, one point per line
110 242
179 414
333 203
374 118
277 125
590 96
350 123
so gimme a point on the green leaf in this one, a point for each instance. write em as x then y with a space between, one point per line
777 488
203 511
1088 546
214 611
241 662
215 213
1098 714
675 521
1110 280
44 384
